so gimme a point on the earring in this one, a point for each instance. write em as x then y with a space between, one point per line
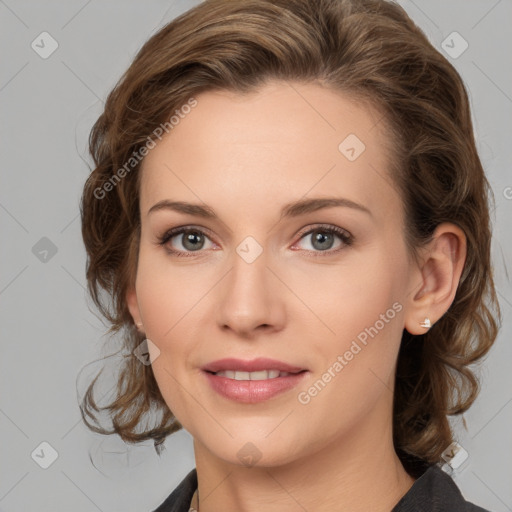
139 324
426 323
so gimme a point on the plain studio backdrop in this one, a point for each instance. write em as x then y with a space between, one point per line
60 60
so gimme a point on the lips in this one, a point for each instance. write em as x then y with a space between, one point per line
254 365
252 381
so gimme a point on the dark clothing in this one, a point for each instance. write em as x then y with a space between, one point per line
179 499
433 491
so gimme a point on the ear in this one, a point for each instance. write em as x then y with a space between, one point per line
436 277
133 306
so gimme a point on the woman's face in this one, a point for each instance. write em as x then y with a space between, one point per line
258 278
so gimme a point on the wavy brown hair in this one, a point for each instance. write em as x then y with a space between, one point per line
370 50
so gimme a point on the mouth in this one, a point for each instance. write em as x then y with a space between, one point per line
259 375
260 364
252 381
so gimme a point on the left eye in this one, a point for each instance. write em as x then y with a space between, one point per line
322 238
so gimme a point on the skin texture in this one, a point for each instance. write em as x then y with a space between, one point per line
246 156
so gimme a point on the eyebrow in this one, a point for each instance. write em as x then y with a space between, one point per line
293 209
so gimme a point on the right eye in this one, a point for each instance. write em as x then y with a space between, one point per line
189 240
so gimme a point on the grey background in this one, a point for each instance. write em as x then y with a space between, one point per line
48 332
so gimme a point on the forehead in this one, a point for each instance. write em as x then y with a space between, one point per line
278 143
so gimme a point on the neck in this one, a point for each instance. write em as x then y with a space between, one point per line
357 472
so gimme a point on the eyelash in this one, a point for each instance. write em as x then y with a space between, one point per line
345 237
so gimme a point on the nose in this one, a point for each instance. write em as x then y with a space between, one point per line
251 298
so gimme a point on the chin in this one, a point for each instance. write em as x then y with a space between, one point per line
252 451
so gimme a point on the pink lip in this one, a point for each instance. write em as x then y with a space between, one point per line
253 391
261 363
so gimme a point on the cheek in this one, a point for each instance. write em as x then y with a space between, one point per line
169 300
341 300
360 307
162 313
168 294
356 370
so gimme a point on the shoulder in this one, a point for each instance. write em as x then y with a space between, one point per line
179 499
435 491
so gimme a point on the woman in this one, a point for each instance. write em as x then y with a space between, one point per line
290 219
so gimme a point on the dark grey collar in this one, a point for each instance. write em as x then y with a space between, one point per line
433 491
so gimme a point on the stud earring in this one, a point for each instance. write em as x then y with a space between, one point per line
426 323
139 324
